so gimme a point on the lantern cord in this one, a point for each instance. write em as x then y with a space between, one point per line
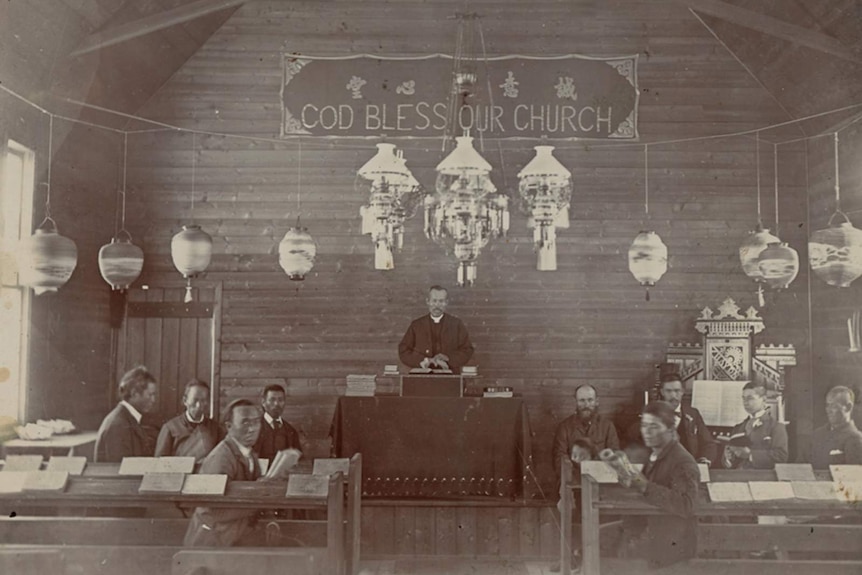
298 180
125 151
647 293
646 186
50 155
193 174
757 164
775 168
837 187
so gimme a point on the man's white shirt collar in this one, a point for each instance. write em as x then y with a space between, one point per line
269 419
436 319
190 420
135 413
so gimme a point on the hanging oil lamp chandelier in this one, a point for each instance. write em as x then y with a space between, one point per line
545 188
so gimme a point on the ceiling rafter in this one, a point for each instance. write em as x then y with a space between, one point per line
774 27
152 23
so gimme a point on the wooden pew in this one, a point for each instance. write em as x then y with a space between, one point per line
159 540
74 531
810 547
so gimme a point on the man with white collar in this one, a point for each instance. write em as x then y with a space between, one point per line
437 340
839 441
121 434
765 438
192 433
692 431
275 433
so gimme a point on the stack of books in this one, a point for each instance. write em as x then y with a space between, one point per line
361 385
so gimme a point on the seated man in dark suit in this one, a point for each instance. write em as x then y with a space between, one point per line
121 433
839 441
192 433
436 340
692 431
275 433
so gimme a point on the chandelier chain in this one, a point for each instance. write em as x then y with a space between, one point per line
50 158
125 152
837 186
757 169
194 162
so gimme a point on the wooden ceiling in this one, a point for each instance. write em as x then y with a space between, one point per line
806 54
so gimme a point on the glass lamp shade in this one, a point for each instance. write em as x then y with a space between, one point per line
46 259
546 169
296 253
120 263
648 258
191 251
835 254
751 248
464 160
779 264
385 165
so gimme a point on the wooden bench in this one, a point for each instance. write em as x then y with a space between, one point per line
159 540
812 547
157 531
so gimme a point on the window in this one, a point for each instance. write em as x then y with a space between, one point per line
17 171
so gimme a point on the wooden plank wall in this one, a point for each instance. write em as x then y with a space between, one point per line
831 306
541 333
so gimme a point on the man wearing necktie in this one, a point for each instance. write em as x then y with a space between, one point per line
765 435
275 433
692 431
192 433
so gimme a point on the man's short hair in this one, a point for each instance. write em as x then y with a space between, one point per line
670 378
437 288
842 390
194 382
756 386
272 387
227 416
662 410
135 381
586 386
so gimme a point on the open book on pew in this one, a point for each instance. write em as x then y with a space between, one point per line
144 465
300 485
205 484
794 472
329 466
23 463
162 482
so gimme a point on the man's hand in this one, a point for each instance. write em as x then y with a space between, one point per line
425 363
441 361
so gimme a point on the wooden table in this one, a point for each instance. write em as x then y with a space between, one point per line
70 444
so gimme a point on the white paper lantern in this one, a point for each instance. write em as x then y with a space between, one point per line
648 259
121 262
751 248
779 265
835 254
46 259
191 251
296 253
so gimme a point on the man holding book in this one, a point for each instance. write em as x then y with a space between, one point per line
760 441
234 457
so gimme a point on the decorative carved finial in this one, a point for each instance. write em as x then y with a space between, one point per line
729 309
705 313
751 313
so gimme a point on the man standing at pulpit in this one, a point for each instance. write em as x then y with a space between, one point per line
437 340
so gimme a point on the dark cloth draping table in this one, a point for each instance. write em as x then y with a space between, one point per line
436 446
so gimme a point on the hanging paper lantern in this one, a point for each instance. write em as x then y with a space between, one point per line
751 248
121 262
779 264
648 259
835 253
46 259
296 253
191 250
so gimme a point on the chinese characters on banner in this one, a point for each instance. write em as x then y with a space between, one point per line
565 97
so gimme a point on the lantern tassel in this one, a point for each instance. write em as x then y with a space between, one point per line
647 293
188 297
761 302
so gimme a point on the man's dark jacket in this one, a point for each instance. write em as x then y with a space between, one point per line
121 436
417 344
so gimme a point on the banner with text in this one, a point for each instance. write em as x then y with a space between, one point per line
566 97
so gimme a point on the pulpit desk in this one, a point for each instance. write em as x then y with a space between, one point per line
436 447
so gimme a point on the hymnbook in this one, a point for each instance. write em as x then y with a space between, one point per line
307 485
46 481
282 463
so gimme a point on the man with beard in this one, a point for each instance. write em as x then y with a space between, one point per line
839 441
692 431
436 340
585 424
